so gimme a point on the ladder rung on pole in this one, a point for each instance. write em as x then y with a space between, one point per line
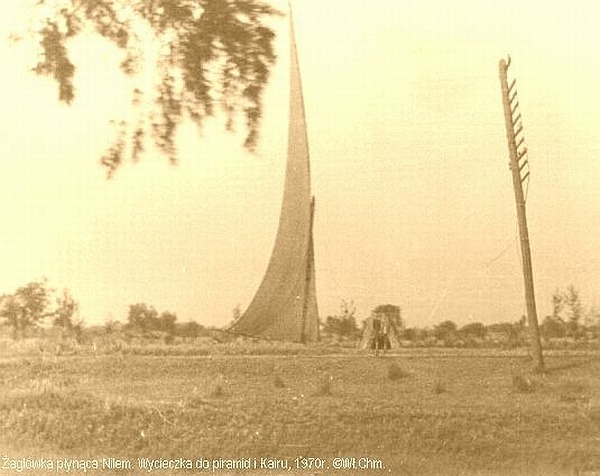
522 153
519 129
523 165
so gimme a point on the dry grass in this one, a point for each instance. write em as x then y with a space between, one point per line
574 391
124 345
130 406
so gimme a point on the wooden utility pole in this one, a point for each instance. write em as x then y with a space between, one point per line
520 173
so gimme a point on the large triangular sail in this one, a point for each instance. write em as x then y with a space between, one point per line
285 305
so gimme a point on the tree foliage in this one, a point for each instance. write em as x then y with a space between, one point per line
392 312
66 311
344 324
189 329
142 316
445 330
574 310
236 314
167 321
25 308
146 319
209 53
474 329
553 327
568 310
411 334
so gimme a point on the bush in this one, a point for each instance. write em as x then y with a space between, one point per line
395 372
522 384
325 388
218 388
439 387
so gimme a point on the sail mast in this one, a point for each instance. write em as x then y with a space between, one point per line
309 280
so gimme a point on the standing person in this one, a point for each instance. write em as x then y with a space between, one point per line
385 338
377 328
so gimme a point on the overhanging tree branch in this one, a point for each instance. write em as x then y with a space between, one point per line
210 52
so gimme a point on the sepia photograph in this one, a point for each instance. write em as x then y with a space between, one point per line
308 237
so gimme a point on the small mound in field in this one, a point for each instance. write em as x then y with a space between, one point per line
593 413
325 388
522 384
395 372
278 382
217 390
439 387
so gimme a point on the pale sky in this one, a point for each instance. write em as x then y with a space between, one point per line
414 199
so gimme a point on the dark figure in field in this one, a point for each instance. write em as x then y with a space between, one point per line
381 339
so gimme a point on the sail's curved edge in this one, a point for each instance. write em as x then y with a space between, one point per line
285 305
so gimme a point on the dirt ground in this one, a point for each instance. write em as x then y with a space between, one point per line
480 413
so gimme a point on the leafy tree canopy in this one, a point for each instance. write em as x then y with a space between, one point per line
445 329
26 307
474 329
204 54
392 312
146 318
343 324
553 326
66 310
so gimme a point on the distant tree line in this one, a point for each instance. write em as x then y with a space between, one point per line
36 305
145 320
570 321
569 318
345 326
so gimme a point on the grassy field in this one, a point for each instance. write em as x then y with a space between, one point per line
411 413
